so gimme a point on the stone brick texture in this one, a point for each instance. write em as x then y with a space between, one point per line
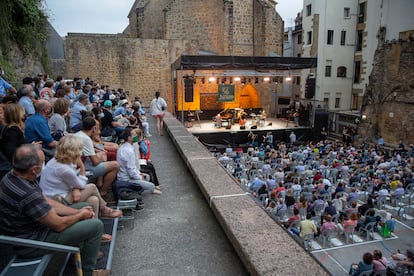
389 100
139 60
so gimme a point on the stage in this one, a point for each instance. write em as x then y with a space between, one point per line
270 124
218 138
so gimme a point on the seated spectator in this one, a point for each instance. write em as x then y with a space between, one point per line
353 196
352 209
364 265
121 111
328 226
406 260
128 171
57 123
365 207
27 213
64 176
289 199
143 165
47 91
12 135
110 147
26 100
352 220
139 113
307 226
370 217
379 263
37 128
78 107
257 183
96 162
107 121
294 218
398 192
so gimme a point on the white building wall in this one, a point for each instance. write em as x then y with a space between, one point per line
331 17
397 16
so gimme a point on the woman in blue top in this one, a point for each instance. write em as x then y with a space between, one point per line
362 266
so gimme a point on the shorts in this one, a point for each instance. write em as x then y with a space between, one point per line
160 115
99 170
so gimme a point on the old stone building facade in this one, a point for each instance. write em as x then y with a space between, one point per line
389 101
160 31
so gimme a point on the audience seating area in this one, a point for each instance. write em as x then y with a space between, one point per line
315 171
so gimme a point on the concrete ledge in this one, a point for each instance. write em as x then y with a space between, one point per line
263 246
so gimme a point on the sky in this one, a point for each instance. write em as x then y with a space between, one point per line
111 16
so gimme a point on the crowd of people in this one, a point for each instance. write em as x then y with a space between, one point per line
69 149
325 188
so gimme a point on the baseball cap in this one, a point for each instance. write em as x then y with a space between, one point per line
108 103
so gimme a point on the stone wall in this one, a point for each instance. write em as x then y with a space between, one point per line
389 100
224 27
141 66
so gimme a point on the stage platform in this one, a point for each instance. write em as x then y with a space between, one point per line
216 139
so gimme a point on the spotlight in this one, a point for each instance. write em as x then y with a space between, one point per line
266 79
211 79
237 79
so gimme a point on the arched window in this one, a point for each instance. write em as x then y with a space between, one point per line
341 72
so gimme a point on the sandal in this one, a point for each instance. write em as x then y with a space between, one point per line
106 238
107 212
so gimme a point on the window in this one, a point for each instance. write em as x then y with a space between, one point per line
299 55
309 10
347 12
341 72
343 37
359 41
326 102
328 69
299 38
309 37
361 15
337 102
297 80
357 72
330 37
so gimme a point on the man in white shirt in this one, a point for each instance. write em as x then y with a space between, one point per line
97 160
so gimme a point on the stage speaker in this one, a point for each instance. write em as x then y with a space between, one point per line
189 89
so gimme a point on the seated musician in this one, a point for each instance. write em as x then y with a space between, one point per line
242 122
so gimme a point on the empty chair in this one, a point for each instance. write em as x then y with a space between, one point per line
263 199
370 228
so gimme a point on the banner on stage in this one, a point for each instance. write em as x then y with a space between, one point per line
226 93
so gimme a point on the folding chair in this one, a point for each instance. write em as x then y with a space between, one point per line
36 266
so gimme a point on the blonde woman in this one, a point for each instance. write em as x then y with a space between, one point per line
64 175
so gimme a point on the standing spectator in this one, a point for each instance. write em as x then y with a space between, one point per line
158 106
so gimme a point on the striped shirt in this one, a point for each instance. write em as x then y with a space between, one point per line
22 204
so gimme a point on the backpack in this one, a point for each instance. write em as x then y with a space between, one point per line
144 149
